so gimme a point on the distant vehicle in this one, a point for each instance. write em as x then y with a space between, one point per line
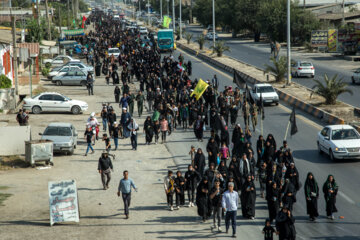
116 17
210 36
114 51
355 76
165 39
82 66
59 60
54 102
143 30
302 69
61 71
72 77
339 142
63 135
268 93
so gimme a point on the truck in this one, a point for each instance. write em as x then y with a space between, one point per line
165 39
266 91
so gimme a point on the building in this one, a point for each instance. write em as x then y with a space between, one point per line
6 59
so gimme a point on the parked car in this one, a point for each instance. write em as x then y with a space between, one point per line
114 51
266 91
302 69
339 142
59 60
143 30
54 102
82 66
210 35
63 135
356 76
61 71
72 77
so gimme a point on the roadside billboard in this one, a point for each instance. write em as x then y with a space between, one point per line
332 40
319 38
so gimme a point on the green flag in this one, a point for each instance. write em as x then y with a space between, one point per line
166 22
74 22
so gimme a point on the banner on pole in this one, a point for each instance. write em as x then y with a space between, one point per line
199 89
166 21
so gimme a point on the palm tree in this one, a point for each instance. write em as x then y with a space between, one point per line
220 48
332 88
279 68
201 41
188 37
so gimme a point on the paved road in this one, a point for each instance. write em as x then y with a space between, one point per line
303 145
258 55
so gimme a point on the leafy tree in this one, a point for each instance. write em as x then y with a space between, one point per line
5 82
332 88
248 21
201 41
278 68
220 48
35 33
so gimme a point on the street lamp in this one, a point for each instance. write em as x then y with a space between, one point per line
180 20
160 9
213 8
288 45
148 5
173 15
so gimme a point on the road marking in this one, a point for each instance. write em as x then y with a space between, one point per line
346 197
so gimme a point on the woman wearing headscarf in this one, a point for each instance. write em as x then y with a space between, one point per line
272 141
223 170
198 128
311 195
149 130
213 149
273 200
248 197
125 120
330 189
289 197
285 225
199 162
203 200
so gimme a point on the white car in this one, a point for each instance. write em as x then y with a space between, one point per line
302 69
62 71
210 35
339 142
356 76
114 51
59 60
54 102
143 30
266 91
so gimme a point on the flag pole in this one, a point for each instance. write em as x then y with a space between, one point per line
287 130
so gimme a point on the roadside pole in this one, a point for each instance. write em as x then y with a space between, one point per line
180 21
30 77
48 19
13 20
161 14
213 9
148 9
173 15
288 45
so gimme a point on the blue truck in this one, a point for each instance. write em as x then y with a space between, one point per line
165 39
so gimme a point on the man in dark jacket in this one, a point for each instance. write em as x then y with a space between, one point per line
105 167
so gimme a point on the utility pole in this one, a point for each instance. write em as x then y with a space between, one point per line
77 8
47 18
168 3
190 12
161 17
68 13
38 12
180 20
13 21
139 7
60 23
30 77
173 15
288 45
343 12
304 5
148 8
213 8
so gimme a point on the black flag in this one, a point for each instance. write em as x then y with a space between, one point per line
293 122
261 106
238 79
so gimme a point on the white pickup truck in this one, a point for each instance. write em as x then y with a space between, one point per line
269 95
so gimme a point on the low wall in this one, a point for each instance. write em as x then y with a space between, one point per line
12 140
314 111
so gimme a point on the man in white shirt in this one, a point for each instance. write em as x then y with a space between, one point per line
229 203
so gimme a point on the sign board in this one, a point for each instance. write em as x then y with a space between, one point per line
332 40
319 38
63 200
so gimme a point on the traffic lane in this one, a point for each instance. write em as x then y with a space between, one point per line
307 159
260 58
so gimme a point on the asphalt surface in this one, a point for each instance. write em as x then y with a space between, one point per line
258 55
303 145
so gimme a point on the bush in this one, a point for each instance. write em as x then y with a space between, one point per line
220 48
45 71
5 82
47 65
